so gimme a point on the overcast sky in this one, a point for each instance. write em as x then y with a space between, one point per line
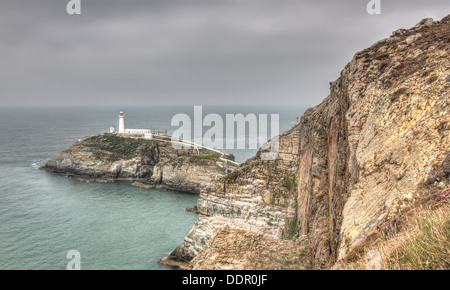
190 52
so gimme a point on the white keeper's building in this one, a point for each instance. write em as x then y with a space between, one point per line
147 133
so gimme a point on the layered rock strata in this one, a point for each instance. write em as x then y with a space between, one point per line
379 141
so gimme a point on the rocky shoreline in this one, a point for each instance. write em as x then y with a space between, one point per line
149 163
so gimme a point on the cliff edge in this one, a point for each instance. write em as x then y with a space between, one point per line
377 145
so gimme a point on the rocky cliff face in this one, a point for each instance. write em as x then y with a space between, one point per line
109 157
259 197
379 141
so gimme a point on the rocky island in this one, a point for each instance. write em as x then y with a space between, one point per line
348 176
150 163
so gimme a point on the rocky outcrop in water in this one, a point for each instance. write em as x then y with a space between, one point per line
111 157
376 144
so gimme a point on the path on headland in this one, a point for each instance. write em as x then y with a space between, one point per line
197 146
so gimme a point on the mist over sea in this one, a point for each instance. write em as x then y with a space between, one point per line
112 225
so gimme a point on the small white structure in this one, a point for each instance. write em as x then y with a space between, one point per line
137 131
112 129
146 132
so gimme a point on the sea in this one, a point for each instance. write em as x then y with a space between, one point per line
112 226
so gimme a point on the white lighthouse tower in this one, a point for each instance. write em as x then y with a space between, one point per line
121 123
145 133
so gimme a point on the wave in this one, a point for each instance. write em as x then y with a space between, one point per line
38 164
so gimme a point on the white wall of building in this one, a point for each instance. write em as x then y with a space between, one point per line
137 131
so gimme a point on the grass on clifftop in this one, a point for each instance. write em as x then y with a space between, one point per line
210 156
424 244
113 147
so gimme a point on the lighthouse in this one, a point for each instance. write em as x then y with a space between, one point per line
121 122
145 133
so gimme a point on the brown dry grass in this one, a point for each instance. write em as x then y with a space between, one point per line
233 249
423 244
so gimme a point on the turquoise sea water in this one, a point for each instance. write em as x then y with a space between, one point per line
112 225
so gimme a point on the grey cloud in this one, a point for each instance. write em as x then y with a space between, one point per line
188 51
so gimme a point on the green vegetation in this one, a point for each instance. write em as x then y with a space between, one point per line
209 156
290 226
290 183
304 246
113 147
165 138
